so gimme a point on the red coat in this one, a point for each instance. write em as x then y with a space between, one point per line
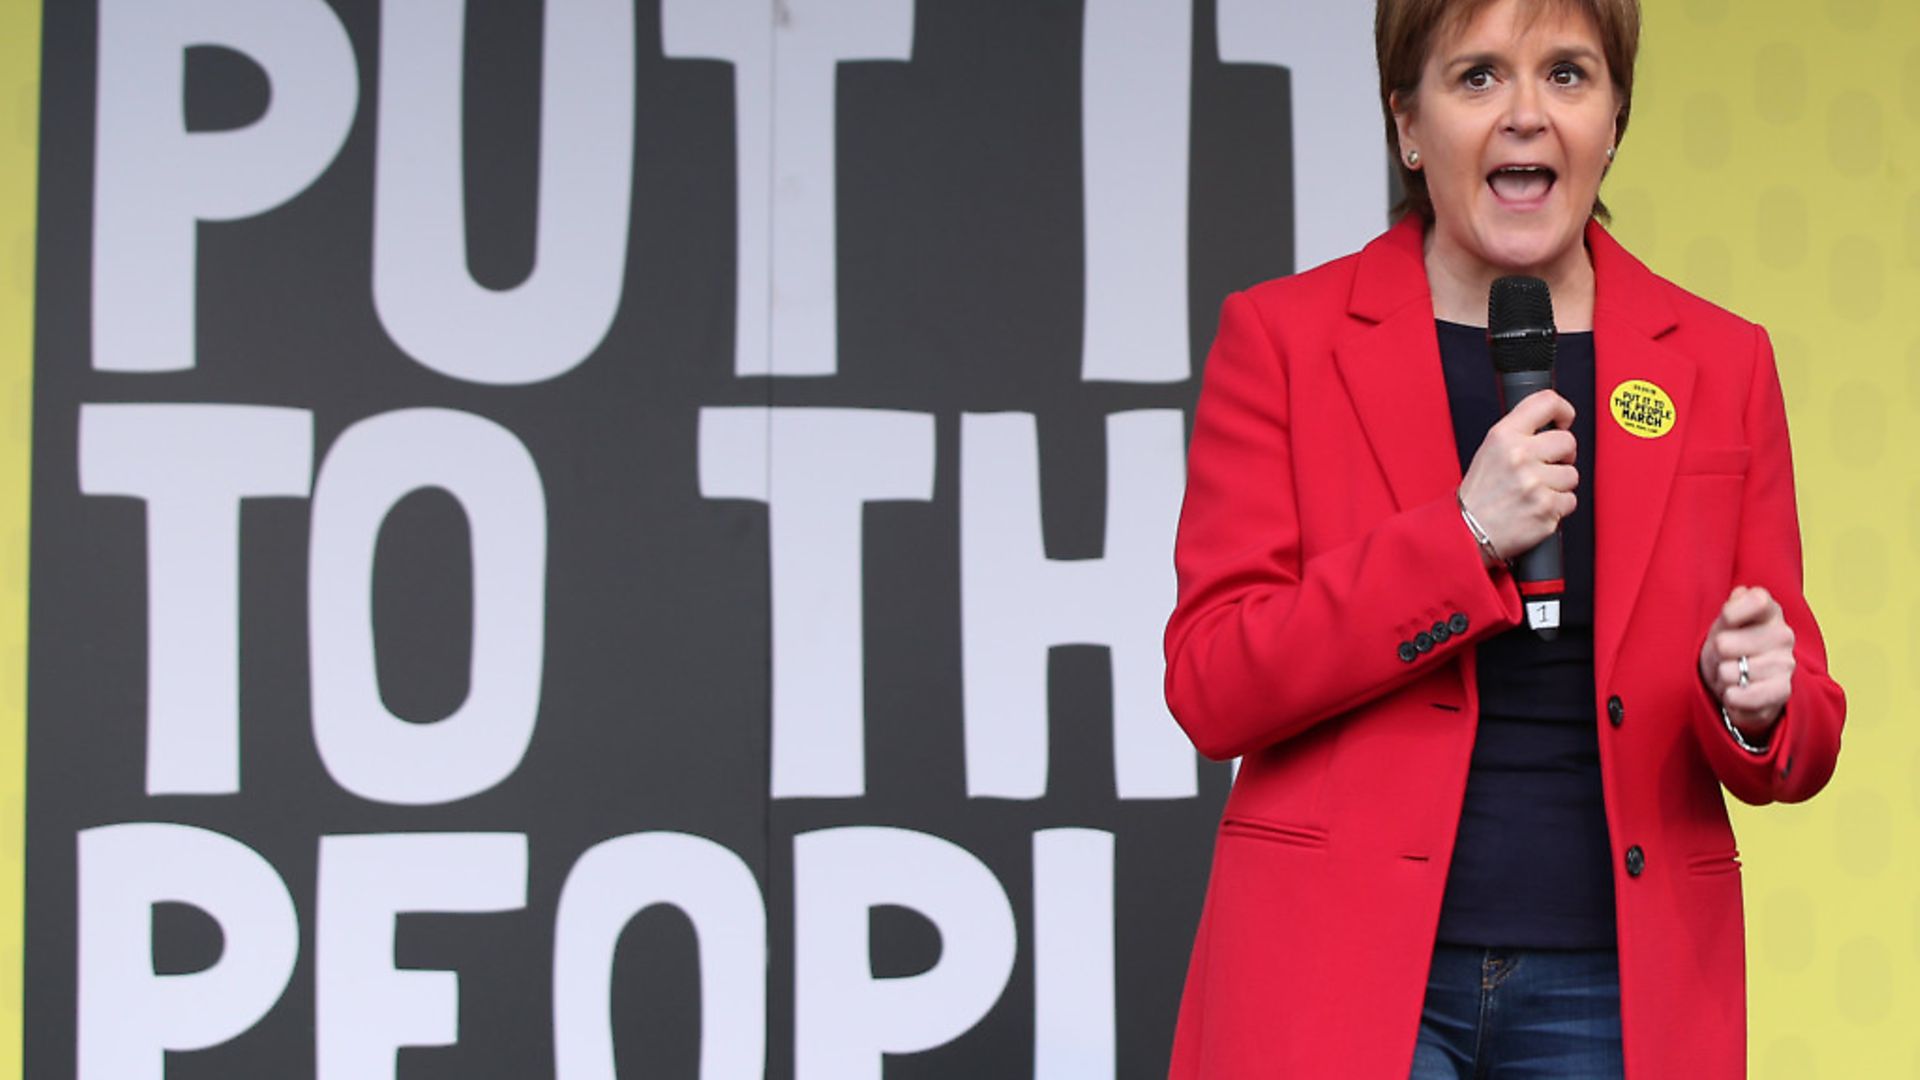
1320 533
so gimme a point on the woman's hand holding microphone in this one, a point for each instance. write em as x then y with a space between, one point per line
1521 481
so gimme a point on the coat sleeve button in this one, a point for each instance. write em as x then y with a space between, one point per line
1636 861
1458 624
1616 711
1423 641
1408 652
1440 631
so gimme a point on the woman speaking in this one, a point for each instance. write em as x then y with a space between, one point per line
1459 846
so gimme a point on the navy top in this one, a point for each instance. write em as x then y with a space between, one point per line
1531 867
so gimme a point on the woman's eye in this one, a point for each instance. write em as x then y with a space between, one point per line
1477 79
1567 75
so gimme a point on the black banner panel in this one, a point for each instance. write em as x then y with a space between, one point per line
601 538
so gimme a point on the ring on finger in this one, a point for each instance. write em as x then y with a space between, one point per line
1746 674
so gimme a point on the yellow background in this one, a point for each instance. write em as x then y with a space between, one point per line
19 142
1772 165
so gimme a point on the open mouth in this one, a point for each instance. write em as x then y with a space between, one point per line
1521 183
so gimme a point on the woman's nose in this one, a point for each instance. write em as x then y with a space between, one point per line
1524 113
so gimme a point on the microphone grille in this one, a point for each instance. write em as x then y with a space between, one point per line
1520 330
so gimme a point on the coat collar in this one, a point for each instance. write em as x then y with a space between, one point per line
1391 369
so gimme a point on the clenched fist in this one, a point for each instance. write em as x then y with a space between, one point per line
1520 482
1750 625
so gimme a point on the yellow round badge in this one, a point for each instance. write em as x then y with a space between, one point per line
1642 408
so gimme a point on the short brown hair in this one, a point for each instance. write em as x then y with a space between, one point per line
1404 32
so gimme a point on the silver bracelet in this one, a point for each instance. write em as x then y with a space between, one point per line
1479 534
1740 739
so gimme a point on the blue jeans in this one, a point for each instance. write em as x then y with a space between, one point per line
1516 1014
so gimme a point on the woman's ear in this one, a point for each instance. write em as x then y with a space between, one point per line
1403 122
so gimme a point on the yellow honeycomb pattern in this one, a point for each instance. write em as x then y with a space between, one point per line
1773 166
19 154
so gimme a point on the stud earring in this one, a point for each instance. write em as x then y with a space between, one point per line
1609 153
1413 158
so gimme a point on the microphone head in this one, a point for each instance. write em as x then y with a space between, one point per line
1520 330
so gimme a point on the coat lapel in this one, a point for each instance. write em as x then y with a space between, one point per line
1392 371
1633 475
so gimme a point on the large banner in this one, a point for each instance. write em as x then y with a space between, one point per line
592 536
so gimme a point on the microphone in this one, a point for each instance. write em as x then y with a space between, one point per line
1520 336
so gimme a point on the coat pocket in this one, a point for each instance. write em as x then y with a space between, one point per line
1714 461
1276 832
1714 862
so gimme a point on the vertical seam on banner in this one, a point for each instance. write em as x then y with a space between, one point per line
19 161
774 15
